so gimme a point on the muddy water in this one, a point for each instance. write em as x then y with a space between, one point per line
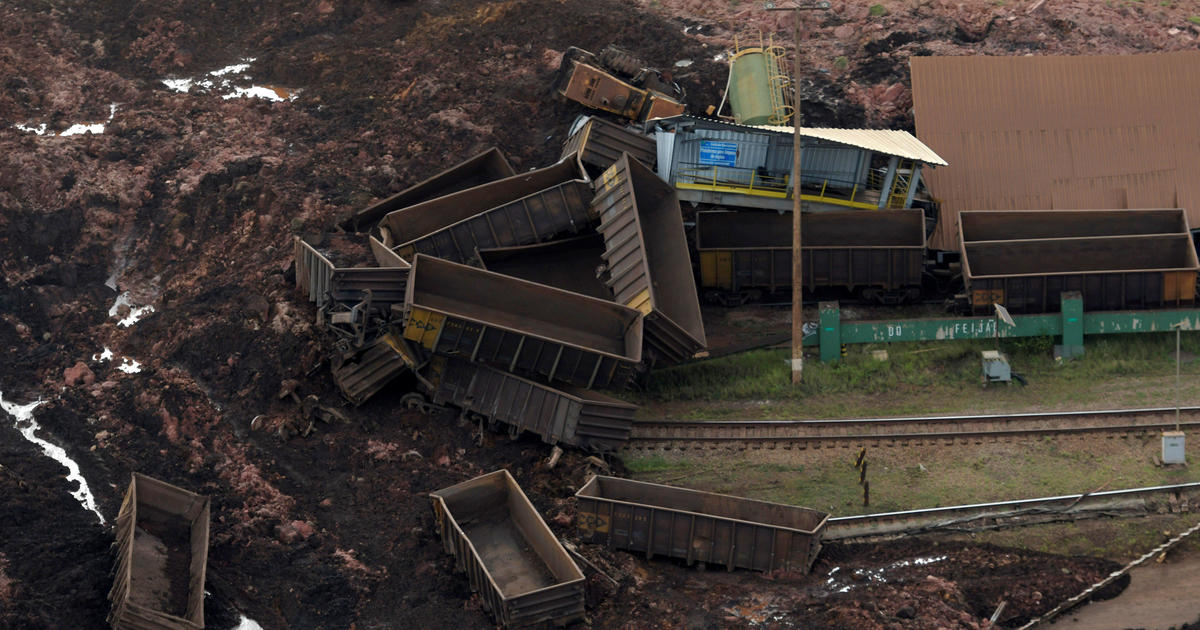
1160 595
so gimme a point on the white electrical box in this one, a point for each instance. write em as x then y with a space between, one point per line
1172 448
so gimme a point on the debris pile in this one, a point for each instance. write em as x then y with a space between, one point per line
592 286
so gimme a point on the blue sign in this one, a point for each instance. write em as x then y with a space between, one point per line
718 153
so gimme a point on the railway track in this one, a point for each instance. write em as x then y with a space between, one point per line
666 435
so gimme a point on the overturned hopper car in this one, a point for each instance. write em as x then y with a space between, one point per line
518 210
699 526
646 252
878 253
1117 259
479 169
523 575
578 417
162 558
599 144
521 326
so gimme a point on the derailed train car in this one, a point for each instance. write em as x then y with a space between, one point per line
523 575
646 254
519 210
576 417
162 558
879 254
696 526
520 326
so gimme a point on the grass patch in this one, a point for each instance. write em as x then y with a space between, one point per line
877 10
1195 19
922 378
906 478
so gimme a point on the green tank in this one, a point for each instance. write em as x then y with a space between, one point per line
756 87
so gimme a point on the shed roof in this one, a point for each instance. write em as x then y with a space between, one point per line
1059 132
885 141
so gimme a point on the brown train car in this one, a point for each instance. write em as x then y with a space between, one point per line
1117 259
878 252
699 526
571 264
162 558
521 326
523 575
646 254
599 144
518 210
485 167
578 417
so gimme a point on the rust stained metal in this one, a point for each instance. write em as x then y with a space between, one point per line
1085 251
573 264
485 167
521 326
1059 132
853 249
143 583
519 210
599 143
647 256
368 371
696 526
578 417
522 573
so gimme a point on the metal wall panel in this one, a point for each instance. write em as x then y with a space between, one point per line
1059 132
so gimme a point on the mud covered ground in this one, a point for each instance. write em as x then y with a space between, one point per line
186 202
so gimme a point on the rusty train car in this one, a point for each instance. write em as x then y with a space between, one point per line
1117 259
698 527
162 558
520 326
523 575
878 254
576 417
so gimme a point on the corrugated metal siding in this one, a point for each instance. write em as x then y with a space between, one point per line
820 160
1059 132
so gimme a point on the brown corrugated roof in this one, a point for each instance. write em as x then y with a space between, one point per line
1059 132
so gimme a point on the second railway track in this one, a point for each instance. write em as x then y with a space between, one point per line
801 434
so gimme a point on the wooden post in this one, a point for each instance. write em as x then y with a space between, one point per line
797 261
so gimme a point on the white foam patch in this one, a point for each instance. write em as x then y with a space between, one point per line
256 91
76 129
107 355
245 623
39 130
136 313
237 67
220 79
129 366
28 428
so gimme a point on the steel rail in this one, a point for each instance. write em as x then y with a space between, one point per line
692 434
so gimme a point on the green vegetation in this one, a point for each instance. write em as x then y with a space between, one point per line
1195 19
921 378
877 10
841 63
904 478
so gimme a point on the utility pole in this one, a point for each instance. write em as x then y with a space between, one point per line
797 261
